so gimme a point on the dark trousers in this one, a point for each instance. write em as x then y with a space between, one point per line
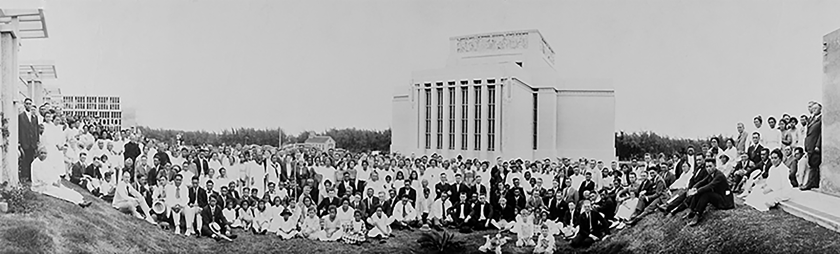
25 167
698 204
476 224
581 241
814 161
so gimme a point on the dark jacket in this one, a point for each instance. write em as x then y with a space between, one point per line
488 211
556 209
209 215
717 183
598 224
28 130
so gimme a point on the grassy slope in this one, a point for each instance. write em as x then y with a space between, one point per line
61 227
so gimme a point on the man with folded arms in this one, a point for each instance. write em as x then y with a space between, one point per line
715 191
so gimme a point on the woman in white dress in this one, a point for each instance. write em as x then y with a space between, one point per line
730 152
53 140
775 189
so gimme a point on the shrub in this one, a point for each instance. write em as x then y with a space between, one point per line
436 242
20 198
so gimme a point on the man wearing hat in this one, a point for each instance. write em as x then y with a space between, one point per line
213 222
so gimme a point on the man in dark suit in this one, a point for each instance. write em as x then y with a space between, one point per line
513 189
517 200
460 211
813 147
212 213
442 186
77 170
586 185
197 201
344 185
407 191
680 202
457 188
201 166
358 185
210 194
742 168
132 149
754 150
591 227
370 202
715 191
481 214
331 199
29 131
651 193
557 207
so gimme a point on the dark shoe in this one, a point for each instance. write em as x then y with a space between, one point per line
254 231
690 215
804 188
233 236
662 209
85 204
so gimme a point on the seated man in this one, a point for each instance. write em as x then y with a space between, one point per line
127 199
438 215
405 216
591 227
681 201
46 180
504 216
460 211
716 192
652 193
481 215
213 222
177 198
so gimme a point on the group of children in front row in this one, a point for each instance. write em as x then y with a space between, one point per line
298 221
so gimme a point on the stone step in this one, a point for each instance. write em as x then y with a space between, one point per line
815 207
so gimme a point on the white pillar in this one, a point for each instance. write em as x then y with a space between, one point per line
37 93
9 46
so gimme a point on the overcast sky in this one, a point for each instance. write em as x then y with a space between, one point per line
680 68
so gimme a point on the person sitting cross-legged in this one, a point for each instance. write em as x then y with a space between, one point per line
46 180
381 224
405 216
652 193
288 227
438 215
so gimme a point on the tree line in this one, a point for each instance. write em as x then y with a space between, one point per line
627 145
352 139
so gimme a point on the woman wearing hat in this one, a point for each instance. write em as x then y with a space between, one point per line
288 226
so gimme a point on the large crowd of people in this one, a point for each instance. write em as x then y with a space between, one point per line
212 191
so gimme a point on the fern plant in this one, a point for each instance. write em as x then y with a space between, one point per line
436 242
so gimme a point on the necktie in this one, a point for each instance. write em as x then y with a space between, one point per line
443 207
405 213
589 218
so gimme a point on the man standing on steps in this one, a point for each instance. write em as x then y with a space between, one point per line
28 132
813 146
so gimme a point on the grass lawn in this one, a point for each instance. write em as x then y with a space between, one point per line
61 227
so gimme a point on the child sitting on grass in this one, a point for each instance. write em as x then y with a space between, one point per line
230 213
262 219
545 243
244 216
524 228
354 232
494 243
311 224
332 229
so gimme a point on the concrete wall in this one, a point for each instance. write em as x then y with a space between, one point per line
547 123
517 118
830 168
587 124
404 125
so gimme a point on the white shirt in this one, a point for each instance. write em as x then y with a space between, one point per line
404 207
176 195
438 209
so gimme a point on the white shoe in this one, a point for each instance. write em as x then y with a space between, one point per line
150 220
188 233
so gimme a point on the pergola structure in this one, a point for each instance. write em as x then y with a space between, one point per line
32 74
23 20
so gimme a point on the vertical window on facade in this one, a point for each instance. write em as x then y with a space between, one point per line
440 118
451 117
477 117
491 118
428 118
534 131
464 116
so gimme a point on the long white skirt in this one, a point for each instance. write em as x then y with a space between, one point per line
322 236
625 210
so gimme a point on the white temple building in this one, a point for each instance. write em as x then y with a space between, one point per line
500 95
